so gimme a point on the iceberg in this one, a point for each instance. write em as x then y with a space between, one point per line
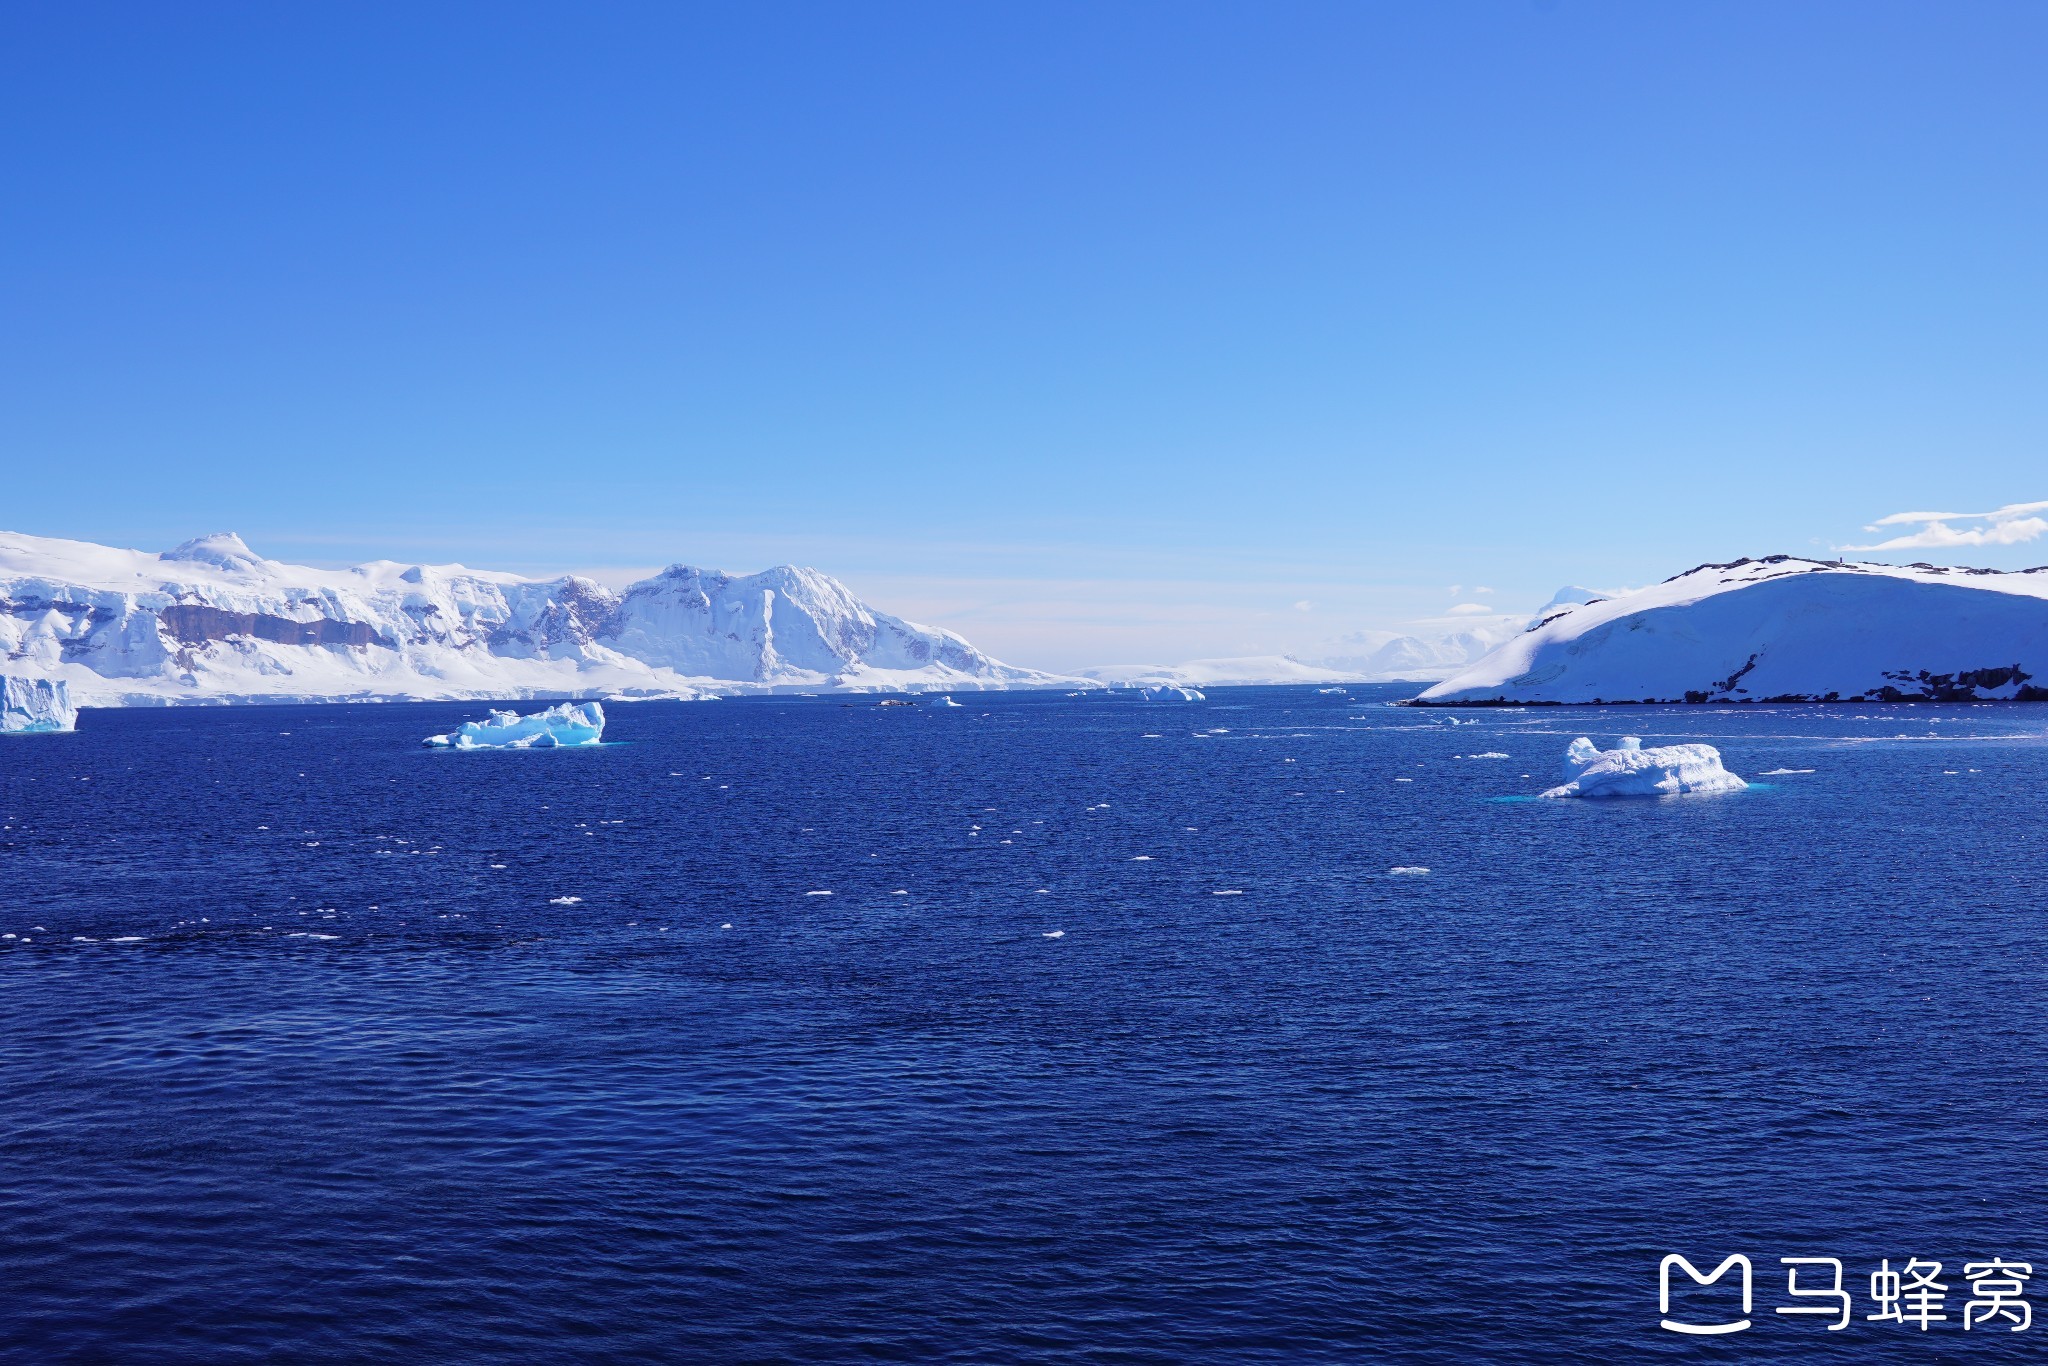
36 706
567 723
1171 692
945 702
1633 771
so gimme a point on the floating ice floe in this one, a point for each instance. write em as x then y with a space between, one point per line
565 900
36 706
1408 871
1171 692
944 701
1054 934
567 723
1336 692
1783 772
1633 771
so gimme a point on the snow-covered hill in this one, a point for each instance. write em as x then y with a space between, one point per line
1781 629
1361 657
212 620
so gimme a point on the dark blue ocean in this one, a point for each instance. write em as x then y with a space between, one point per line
1115 1039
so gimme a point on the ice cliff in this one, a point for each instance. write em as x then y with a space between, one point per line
212 620
1632 771
1781 629
35 706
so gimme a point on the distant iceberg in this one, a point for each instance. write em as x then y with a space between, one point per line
35 706
944 701
1633 771
563 724
1170 692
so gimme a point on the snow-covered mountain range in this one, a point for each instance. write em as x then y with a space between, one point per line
212 620
1360 657
1781 629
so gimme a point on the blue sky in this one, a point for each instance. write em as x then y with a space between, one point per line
1098 332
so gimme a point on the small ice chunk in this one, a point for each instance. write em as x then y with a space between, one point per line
1783 772
567 723
1632 771
565 900
944 701
1408 871
1054 934
1228 891
817 893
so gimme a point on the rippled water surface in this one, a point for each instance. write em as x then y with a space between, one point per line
1114 1040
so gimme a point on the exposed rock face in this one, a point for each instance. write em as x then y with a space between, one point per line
212 619
191 623
1782 629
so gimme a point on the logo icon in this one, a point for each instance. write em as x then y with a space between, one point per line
1702 1329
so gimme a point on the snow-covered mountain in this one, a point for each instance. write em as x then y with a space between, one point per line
1781 629
1216 673
1360 657
212 620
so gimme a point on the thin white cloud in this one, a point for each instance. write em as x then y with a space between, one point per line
2010 525
1470 609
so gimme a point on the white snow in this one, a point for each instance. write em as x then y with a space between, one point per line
1632 771
566 723
36 706
1782 629
211 620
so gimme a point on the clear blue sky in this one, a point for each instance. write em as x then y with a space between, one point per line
1097 331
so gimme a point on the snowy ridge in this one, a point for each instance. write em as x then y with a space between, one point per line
1781 629
213 621
1362 657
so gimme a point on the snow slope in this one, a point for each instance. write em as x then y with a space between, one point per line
1781 629
211 621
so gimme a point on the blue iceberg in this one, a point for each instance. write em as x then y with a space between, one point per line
564 724
35 706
